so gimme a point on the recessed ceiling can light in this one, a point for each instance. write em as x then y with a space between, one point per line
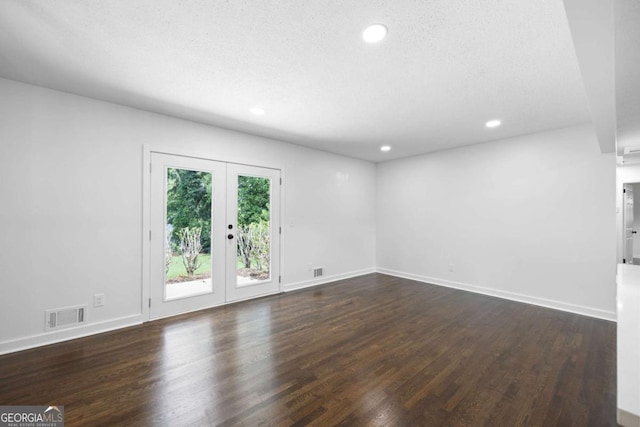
258 111
385 148
493 123
374 33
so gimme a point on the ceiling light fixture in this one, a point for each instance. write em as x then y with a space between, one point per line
374 33
258 111
493 123
385 148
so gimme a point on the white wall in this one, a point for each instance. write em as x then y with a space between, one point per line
628 300
628 344
71 206
529 218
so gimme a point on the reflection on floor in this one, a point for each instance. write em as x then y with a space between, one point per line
374 350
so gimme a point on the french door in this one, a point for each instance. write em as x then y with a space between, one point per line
253 232
215 233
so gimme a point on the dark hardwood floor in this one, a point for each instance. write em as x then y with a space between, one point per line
374 350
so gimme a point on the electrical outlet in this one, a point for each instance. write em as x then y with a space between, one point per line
98 300
451 267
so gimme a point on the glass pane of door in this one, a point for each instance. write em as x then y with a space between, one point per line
254 230
187 233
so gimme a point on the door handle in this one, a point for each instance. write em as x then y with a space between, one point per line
229 236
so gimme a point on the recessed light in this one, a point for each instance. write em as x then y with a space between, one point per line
385 148
258 111
493 123
374 33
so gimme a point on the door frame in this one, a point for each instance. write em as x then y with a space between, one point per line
627 223
625 174
247 160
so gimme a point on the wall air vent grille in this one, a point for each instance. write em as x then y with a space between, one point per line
65 317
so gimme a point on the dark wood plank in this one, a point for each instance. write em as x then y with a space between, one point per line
373 350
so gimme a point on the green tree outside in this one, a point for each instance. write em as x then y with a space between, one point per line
189 204
253 200
253 216
189 196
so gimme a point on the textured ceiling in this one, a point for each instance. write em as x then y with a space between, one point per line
446 67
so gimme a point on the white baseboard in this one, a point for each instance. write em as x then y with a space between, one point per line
42 339
557 305
68 334
627 419
315 282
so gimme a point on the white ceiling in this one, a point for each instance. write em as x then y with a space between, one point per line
446 67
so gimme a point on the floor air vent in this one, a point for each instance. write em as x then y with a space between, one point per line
65 317
318 272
